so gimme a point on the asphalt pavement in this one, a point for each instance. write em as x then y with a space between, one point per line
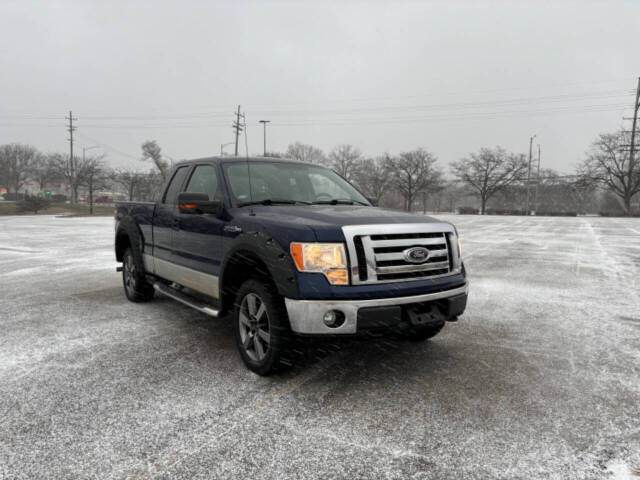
540 378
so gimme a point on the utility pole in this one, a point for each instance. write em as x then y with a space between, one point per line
528 211
264 135
632 149
71 129
237 126
535 205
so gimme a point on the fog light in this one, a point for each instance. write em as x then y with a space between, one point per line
333 318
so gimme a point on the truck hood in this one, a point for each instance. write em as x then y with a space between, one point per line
327 220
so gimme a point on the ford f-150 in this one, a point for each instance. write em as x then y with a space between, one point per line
286 249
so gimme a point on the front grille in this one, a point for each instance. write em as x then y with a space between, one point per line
361 258
383 256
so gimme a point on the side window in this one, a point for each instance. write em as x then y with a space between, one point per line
171 195
204 180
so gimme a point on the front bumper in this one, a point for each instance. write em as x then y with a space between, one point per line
305 316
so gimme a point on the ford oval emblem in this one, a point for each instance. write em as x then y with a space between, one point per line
416 254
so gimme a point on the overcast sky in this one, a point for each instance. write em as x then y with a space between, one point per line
447 76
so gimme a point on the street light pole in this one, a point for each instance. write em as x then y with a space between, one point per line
264 124
528 210
537 183
222 145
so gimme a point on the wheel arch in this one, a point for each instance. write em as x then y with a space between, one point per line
128 235
256 255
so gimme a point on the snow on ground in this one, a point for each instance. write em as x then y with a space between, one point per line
539 379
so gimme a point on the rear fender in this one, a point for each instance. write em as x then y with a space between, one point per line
129 233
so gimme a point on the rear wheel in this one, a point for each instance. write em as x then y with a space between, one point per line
136 287
261 328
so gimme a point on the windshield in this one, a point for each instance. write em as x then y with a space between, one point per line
280 182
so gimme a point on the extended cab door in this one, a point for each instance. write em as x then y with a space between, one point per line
165 223
197 242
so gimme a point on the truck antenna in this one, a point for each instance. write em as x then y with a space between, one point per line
246 147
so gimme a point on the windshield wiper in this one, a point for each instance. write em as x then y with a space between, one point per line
339 201
269 201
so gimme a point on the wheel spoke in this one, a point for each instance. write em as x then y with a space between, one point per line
243 319
264 335
258 347
261 310
246 341
251 304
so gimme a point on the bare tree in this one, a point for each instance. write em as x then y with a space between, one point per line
45 170
345 160
413 172
609 163
63 169
4 168
305 153
436 186
93 174
372 176
152 151
18 161
130 180
150 186
489 171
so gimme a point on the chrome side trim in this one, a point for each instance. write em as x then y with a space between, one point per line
305 316
147 261
187 277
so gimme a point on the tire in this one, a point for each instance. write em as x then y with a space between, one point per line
136 287
261 326
419 334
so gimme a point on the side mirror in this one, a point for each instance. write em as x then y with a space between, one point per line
198 203
373 201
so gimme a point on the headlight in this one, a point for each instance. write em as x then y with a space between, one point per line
327 258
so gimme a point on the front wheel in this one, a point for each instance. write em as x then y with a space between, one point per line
261 328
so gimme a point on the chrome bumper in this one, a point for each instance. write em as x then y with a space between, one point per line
305 316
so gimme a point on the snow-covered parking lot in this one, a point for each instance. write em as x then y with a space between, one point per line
539 379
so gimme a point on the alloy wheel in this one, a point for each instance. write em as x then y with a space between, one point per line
254 327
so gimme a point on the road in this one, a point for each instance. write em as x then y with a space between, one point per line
539 379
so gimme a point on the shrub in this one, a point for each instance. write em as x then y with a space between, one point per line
33 204
468 210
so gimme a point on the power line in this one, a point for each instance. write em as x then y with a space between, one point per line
389 108
109 147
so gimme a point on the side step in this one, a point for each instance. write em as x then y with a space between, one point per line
185 299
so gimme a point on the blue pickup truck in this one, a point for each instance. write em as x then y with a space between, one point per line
286 249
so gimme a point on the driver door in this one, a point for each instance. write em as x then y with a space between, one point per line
197 242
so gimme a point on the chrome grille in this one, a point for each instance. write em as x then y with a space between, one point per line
380 253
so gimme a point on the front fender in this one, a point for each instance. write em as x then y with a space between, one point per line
268 251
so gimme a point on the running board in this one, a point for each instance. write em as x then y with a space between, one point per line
185 299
